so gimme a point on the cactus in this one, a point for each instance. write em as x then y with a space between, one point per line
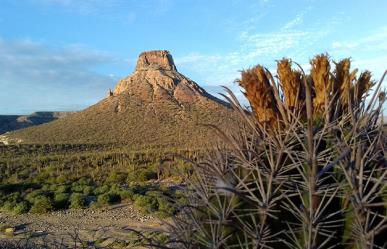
307 170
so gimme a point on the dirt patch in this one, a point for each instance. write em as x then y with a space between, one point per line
104 226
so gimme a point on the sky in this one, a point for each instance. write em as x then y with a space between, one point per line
64 55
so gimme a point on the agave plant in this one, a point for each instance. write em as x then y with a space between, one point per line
306 170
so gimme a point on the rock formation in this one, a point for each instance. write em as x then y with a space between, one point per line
156 77
156 60
154 106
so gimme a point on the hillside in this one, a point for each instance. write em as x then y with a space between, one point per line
16 122
155 106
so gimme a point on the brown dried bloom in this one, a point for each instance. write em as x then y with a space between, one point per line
322 83
259 92
290 81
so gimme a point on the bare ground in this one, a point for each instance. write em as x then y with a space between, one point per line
88 225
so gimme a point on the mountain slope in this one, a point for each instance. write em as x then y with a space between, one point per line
156 105
16 122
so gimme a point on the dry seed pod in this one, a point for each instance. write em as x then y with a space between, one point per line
290 81
259 92
322 83
363 84
344 81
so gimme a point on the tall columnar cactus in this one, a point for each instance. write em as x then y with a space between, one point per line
308 170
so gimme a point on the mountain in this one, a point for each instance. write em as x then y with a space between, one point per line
16 122
155 106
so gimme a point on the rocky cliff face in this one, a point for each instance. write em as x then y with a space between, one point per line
156 60
156 78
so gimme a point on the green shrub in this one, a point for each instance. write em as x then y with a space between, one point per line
142 175
61 200
13 197
41 177
108 198
77 188
181 198
146 175
146 204
114 187
41 205
77 200
21 207
8 202
126 194
34 194
63 189
103 199
85 181
88 190
154 193
7 206
63 178
101 189
117 177
4 226
96 205
49 187
45 187
165 207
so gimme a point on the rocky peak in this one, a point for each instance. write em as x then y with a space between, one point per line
156 60
156 79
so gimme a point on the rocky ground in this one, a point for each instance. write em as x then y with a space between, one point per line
109 226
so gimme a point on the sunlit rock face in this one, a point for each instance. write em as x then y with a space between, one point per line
156 78
156 60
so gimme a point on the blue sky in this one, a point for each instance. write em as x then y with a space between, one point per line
66 54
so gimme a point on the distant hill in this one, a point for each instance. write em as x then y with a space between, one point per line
155 106
16 122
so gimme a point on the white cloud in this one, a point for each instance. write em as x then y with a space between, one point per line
377 65
344 45
374 41
370 50
259 47
223 69
34 74
293 23
25 59
255 47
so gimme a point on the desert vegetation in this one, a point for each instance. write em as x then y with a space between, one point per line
45 178
306 170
